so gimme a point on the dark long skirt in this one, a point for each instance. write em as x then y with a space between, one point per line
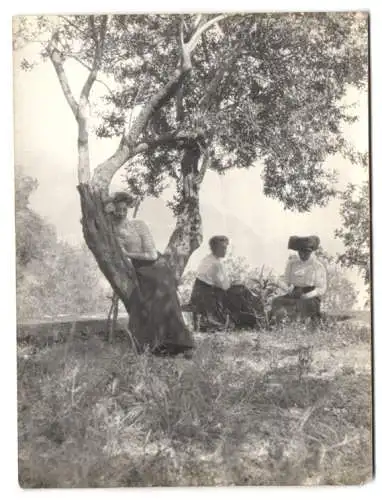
291 306
155 316
214 304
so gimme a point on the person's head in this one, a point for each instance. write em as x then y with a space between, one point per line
219 245
304 246
305 253
121 203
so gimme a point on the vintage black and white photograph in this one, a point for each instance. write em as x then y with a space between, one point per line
193 260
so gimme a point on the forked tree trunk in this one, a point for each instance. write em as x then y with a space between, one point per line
119 271
93 189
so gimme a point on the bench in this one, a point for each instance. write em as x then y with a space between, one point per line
196 317
190 308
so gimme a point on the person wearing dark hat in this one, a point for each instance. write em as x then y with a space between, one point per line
214 296
306 279
155 315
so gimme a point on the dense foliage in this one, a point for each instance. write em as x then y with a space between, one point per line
355 231
264 88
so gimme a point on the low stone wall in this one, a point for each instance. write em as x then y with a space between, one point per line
60 330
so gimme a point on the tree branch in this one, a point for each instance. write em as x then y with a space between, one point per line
226 65
181 32
72 56
74 25
133 105
179 93
56 58
127 148
159 100
83 107
99 42
203 168
198 21
195 37
168 140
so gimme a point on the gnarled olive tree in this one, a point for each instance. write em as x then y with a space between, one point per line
213 91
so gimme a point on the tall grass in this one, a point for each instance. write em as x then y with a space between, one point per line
243 411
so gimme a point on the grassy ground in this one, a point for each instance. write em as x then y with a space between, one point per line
248 409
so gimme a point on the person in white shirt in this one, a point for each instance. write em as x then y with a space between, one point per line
214 296
211 269
306 279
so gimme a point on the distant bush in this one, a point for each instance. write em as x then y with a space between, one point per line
52 277
341 294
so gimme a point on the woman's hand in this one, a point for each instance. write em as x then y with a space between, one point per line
309 295
142 255
109 207
235 282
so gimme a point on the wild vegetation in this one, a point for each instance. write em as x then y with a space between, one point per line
52 277
272 408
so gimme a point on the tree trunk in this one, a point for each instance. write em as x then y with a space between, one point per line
99 236
188 233
186 237
119 271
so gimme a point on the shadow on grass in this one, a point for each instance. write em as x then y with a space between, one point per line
175 422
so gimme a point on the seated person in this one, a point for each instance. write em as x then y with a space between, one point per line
306 279
214 296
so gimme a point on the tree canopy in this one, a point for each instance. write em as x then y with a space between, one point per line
263 88
355 231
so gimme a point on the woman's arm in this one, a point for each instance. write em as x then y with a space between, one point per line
148 249
320 282
221 278
286 278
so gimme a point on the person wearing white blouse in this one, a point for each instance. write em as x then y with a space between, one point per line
306 279
214 295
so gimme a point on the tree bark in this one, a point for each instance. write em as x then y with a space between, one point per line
99 237
188 233
186 237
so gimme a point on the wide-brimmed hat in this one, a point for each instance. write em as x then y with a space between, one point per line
123 196
303 243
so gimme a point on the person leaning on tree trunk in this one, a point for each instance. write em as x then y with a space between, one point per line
154 310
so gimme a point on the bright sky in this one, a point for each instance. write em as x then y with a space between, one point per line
45 145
